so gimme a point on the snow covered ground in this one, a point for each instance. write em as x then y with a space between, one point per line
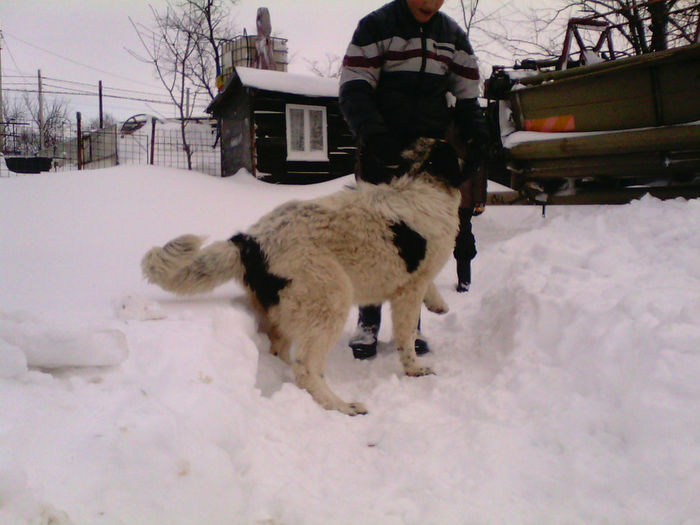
567 386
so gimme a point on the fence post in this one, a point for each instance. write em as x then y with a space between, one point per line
79 142
153 139
116 145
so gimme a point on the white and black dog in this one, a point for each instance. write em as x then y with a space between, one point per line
306 263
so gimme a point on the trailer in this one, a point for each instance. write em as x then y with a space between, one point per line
601 129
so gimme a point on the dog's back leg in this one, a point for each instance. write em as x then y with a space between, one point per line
405 311
308 369
313 310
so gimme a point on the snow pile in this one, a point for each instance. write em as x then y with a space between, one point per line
44 346
566 386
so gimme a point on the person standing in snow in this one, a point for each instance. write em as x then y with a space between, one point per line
403 60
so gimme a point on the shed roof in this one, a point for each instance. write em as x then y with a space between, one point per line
310 86
277 81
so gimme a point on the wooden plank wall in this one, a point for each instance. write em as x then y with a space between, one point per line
268 110
236 135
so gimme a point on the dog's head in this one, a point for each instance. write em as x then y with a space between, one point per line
436 158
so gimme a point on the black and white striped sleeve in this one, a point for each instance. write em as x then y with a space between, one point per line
464 78
359 77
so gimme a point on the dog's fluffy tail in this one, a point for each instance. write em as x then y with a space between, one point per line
184 267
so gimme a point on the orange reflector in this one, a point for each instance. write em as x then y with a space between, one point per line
551 124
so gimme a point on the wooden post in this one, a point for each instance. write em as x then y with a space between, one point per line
80 141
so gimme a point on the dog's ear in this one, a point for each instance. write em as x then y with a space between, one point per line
443 163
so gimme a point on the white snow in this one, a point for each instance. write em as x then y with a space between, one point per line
293 83
567 386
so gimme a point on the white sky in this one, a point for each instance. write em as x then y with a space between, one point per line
87 40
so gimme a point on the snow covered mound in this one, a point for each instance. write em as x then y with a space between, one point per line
55 347
566 390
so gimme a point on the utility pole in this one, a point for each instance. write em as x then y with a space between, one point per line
2 113
41 112
101 117
79 141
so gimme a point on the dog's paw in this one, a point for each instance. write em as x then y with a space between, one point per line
437 307
419 371
353 409
434 302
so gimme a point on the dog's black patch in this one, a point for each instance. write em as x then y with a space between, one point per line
265 285
443 163
411 245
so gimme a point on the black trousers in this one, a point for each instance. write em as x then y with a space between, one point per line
465 246
371 317
465 243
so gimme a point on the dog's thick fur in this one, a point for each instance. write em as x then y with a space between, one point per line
305 264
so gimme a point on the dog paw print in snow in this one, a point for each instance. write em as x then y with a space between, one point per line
136 308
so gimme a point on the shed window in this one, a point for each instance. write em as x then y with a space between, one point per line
307 137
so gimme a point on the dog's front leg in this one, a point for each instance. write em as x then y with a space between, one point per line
405 311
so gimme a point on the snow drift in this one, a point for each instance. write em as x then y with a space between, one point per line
566 389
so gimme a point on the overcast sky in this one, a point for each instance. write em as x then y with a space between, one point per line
76 43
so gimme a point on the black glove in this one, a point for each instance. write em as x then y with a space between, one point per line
474 131
380 158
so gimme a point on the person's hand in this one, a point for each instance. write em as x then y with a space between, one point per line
380 158
385 150
478 209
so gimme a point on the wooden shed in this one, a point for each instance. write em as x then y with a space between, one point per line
282 127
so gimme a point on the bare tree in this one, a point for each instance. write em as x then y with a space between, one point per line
469 9
639 26
513 31
206 21
328 68
16 118
107 121
652 25
55 120
184 46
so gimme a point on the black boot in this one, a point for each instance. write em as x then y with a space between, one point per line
464 275
421 344
364 341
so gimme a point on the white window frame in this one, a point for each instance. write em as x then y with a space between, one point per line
307 154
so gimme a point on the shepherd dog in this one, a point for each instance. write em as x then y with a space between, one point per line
306 263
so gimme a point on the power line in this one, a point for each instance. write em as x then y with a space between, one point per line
104 87
79 94
71 60
30 80
64 86
7 48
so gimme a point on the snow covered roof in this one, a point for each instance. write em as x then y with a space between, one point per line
293 83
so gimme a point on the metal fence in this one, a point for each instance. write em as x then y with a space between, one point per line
154 141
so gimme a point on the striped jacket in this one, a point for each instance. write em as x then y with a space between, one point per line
396 74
